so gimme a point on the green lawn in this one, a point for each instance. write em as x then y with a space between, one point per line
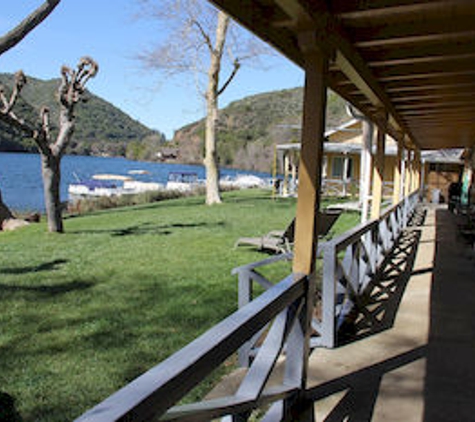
85 312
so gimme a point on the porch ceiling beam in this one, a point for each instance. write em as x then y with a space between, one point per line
440 114
331 35
456 105
427 76
397 36
419 59
441 121
461 64
440 50
437 96
423 87
379 9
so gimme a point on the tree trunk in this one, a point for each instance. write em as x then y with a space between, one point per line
211 158
51 171
5 213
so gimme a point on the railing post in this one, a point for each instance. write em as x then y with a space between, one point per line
328 297
244 297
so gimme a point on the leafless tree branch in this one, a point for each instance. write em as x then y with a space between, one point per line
236 66
13 37
204 34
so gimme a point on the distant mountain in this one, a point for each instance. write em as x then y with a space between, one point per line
249 129
101 128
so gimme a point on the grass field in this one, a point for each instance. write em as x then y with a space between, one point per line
85 312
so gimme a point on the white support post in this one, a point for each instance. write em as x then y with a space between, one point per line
378 173
398 172
365 169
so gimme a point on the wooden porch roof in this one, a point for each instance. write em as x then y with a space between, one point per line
413 58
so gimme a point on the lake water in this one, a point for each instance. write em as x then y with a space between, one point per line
22 188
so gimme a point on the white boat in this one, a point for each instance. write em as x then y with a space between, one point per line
135 186
94 188
244 181
110 185
182 181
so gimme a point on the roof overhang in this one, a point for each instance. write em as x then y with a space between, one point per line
414 59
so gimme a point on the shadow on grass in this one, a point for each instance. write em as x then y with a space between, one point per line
146 228
53 290
47 266
8 411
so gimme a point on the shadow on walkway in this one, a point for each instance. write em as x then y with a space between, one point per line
376 309
362 387
450 379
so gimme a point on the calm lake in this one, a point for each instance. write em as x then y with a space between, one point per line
22 188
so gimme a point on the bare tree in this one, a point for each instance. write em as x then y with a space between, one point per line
70 92
202 41
12 38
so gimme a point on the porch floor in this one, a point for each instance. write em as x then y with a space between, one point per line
422 369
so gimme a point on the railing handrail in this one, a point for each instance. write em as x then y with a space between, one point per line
344 239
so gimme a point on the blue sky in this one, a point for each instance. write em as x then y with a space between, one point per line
110 32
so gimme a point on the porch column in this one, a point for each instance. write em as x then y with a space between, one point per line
414 171
407 181
419 170
293 185
378 172
308 203
365 168
285 187
311 158
345 174
398 172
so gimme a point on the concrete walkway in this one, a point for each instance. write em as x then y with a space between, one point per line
422 368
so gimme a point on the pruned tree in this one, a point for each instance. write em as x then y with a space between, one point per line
204 42
70 92
9 40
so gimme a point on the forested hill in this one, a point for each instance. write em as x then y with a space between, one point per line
101 128
248 129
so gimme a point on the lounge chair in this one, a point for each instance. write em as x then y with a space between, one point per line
278 241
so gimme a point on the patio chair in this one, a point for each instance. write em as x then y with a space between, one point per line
278 241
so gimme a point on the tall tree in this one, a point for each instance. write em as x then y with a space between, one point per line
70 92
202 41
12 38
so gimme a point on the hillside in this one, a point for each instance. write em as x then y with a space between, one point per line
101 128
248 129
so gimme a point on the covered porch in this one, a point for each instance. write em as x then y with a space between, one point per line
408 67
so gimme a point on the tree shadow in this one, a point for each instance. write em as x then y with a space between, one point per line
47 290
8 411
47 266
146 228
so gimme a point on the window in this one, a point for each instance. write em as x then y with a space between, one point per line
338 167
